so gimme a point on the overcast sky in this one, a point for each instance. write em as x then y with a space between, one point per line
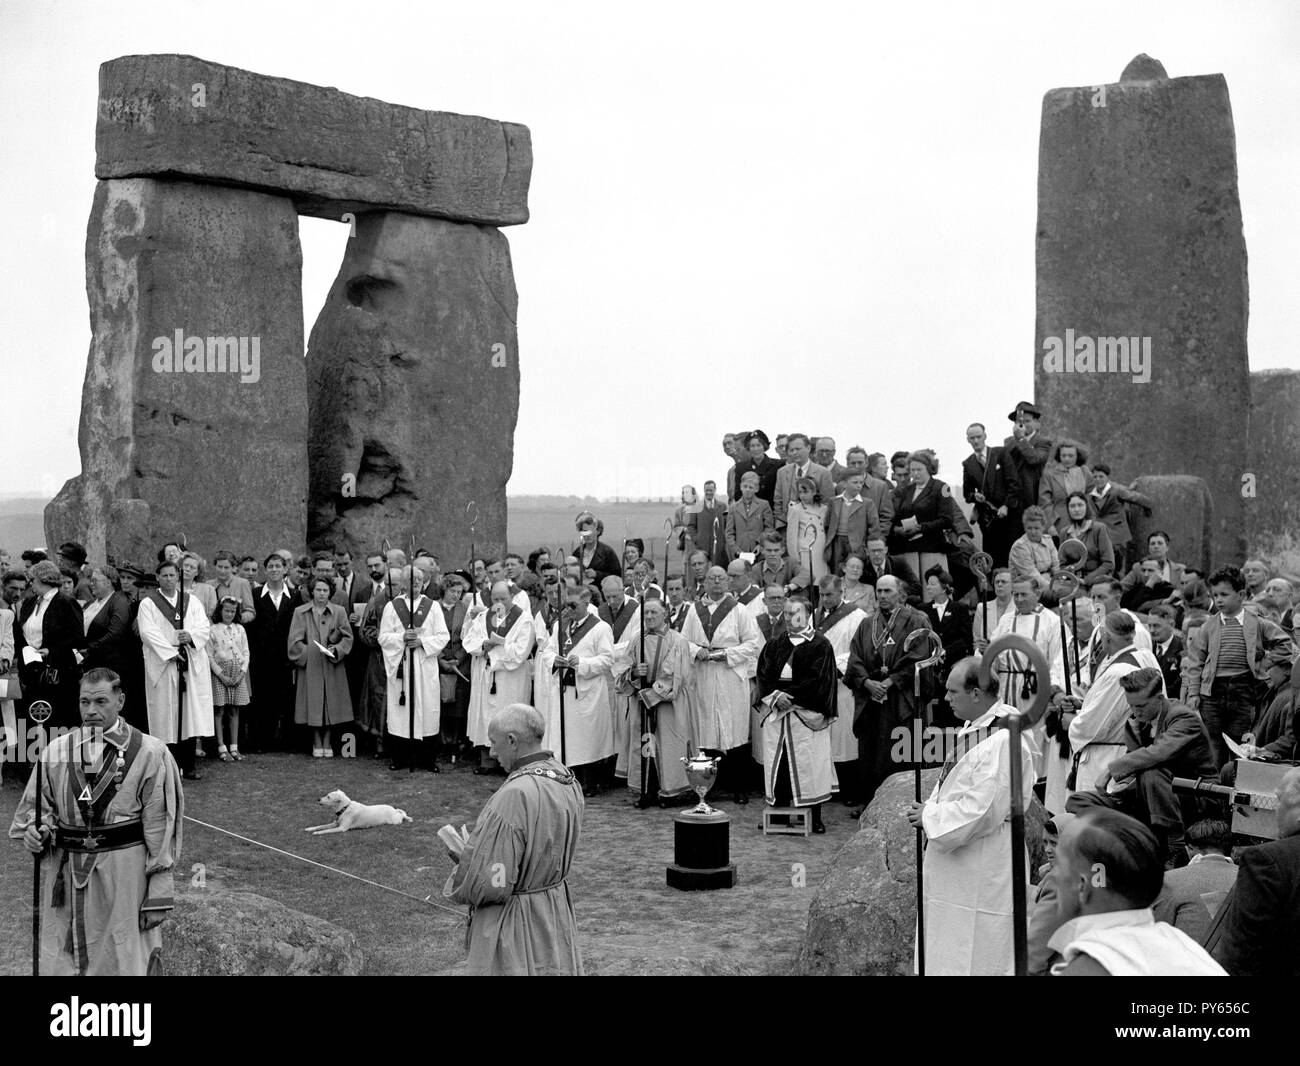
741 213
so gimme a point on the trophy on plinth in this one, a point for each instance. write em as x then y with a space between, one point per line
702 835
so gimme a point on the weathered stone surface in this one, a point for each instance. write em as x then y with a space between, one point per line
413 377
862 920
241 934
215 455
1140 236
331 151
1143 68
1273 512
1182 507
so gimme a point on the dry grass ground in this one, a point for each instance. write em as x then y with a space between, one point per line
629 920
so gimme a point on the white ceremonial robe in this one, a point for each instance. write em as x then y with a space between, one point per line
1058 765
844 745
623 708
507 664
968 911
541 690
1097 732
588 730
720 691
158 638
421 665
1044 629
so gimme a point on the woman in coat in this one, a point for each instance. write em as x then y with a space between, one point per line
323 699
922 515
1099 564
1066 475
599 560
762 464
51 624
109 641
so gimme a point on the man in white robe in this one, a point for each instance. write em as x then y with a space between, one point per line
622 614
410 642
579 655
166 626
499 641
838 622
1096 730
725 641
967 884
1034 622
1058 754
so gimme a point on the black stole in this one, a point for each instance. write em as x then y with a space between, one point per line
174 615
710 622
619 622
403 608
829 620
749 595
508 621
568 641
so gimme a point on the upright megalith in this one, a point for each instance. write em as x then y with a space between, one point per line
413 382
193 409
1140 338
1270 476
195 403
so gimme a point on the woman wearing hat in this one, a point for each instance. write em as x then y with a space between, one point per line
922 515
1099 563
591 553
762 464
50 626
323 698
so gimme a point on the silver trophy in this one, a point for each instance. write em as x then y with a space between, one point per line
701 772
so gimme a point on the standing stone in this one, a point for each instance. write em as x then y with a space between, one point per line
1182 507
413 380
1270 479
1140 243
170 442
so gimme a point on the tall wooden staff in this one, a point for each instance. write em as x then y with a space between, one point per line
39 712
559 646
471 512
410 664
668 535
1017 722
1077 552
1070 580
981 565
935 655
182 656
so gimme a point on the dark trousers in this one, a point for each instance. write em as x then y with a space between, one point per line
1228 709
183 753
998 534
1151 801
422 752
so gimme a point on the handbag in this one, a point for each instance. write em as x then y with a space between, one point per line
50 677
10 687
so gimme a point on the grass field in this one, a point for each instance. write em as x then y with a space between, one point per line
531 527
629 921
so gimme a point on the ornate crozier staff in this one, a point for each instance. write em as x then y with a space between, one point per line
934 656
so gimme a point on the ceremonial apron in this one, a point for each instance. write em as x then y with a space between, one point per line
803 739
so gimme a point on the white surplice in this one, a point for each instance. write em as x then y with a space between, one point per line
968 911
720 691
421 666
1044 629
588 730
1097 732
844 745
158 638
504 666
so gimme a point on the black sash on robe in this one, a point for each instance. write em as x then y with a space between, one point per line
403 608
508 621
176 617
750 595
619 622
828 621
569 640
710 622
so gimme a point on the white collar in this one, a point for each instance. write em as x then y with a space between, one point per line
1211 857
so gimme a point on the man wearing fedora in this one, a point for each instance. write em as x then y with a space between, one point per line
1025 454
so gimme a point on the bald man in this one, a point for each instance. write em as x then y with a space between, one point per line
412 631
500 640
725 641
514 870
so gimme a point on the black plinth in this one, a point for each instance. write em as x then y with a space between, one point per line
701 852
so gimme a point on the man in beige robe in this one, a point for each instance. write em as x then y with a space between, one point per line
514 870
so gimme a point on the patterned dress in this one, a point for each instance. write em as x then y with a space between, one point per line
228 659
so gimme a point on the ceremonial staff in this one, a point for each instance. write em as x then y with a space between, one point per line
182 657
935 645
559 646
1070 580
1017 721
1078 552
807 538
981 565
471 511
668 535
39 712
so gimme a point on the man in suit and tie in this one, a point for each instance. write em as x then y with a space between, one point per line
771 623
881 564
824 449
799 464
1260 934
851 521
270 672
707 527
352 591
1232 659
1167 646
1025 453
1166 570
1110 503
675 589
989 483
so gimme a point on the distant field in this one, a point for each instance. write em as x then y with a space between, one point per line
527 527
530 528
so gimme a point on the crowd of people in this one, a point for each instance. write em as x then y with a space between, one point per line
791 643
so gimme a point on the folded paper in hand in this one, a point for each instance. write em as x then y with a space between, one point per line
455 839
324 650
30 655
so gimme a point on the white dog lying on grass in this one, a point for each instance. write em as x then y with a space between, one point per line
349 814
